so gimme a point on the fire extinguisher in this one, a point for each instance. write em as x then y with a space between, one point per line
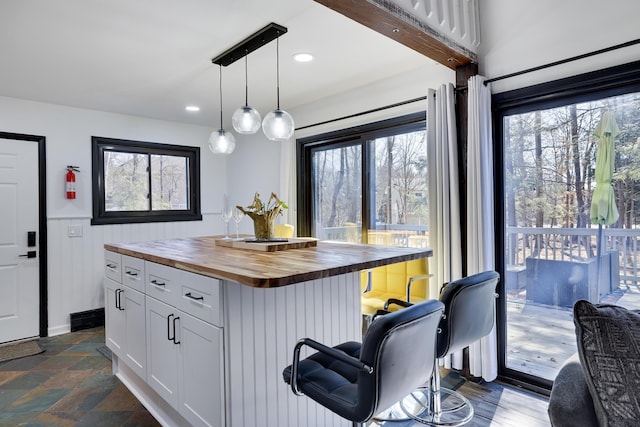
70 181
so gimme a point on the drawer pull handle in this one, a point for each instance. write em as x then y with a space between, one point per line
111 265
155 282
188 295
132 273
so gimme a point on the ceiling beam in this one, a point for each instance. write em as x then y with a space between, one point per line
403 29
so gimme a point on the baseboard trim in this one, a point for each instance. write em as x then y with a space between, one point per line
58 330
87 319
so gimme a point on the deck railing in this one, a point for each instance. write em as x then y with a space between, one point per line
574 244
564 244
400 235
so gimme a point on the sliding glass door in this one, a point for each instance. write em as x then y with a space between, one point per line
554 250
370 187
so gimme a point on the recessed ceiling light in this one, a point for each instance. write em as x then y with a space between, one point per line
192 108
303 57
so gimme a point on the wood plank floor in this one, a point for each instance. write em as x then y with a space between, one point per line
495 404
87 394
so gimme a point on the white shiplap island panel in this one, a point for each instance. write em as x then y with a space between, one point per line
261 328
267 302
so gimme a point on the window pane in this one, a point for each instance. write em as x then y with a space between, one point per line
399 191
551 243
169 189
126 181
337 198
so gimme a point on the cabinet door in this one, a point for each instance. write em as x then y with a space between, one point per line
135 350
201 397
162 350
114 317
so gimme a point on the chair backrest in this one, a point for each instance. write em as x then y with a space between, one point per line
283 230
469 312
392 278
401 349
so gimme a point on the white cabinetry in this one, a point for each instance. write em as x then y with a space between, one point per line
125 312
201 366
185 363
182 338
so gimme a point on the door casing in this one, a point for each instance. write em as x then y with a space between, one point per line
42 226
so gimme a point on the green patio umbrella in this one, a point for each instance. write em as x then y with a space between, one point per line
603 204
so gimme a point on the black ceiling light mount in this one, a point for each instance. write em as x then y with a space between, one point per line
254 42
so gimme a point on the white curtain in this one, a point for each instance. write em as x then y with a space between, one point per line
483 357
288 183
444 203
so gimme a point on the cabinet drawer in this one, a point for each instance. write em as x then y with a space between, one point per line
133 272
200 296
113 266
160 282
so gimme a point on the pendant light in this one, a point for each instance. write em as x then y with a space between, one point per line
246 119
221 141
278 124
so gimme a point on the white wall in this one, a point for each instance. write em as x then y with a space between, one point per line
400 88
252 167
75 264
516 35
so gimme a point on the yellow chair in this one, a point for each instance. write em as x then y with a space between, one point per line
407 281
283 230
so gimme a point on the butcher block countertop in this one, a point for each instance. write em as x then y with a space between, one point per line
266 269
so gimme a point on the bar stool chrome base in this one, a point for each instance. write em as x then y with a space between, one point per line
394 413
455 409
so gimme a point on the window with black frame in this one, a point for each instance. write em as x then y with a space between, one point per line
135 181
555 250
366 184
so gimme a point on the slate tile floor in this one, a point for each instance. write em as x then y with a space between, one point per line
70 384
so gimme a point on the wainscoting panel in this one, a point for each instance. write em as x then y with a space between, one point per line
75 264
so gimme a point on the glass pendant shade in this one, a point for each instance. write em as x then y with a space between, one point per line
246 120
278 125
222 142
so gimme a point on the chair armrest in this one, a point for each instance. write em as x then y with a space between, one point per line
379 313
413 279
337 354
369 282
396 301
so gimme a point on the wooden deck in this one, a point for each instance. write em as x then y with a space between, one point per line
541 337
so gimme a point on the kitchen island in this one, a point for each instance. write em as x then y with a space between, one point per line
201 332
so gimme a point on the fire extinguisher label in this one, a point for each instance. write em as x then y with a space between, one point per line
71 187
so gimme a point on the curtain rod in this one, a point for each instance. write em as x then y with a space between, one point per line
375 110
564 61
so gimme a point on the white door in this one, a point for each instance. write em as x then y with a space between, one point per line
19 268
